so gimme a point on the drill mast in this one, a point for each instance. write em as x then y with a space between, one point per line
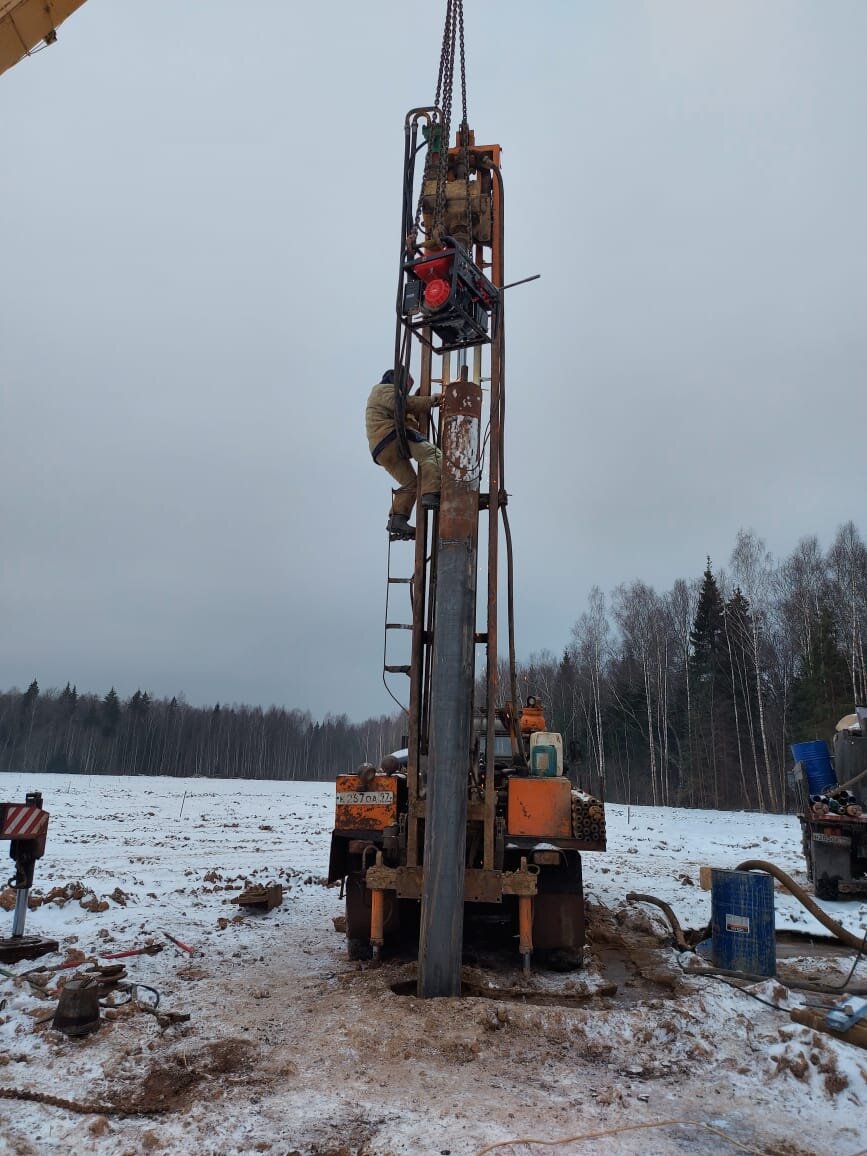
449 307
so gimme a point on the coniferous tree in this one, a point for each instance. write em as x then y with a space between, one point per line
707 643
706 636
110 713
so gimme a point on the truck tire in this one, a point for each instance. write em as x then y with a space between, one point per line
558 916
826 887
358 948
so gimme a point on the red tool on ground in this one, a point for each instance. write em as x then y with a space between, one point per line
178 943
148 949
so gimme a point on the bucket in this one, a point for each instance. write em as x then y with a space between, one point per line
815 758
742 914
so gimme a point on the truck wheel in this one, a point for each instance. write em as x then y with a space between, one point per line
359 948
806 846
559 959
826 888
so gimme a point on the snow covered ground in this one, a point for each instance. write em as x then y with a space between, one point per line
290 1048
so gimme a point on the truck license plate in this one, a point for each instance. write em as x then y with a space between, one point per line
364 798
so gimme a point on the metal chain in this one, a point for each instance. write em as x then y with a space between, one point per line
85 1108
465 125
432 161
447 92
460 4
438 164
443 51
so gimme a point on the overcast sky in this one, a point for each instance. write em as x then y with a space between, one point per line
201 210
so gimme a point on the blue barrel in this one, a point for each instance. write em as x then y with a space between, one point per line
815 758
742 914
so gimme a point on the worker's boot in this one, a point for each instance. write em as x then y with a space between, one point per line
430 501
399 527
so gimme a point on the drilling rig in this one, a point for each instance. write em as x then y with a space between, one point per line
477 815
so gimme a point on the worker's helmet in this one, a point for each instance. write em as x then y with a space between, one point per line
387 377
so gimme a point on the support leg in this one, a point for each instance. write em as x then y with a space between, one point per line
20 912
525 930
377 923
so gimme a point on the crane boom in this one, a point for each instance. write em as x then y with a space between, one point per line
25 25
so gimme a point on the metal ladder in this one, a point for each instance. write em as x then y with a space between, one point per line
425 572
391 626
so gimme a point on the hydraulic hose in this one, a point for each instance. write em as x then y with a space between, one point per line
668 912
836 929
510 569
851 783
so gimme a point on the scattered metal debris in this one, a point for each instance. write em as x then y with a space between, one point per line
261 896
77 1011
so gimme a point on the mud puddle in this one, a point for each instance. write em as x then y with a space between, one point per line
470 990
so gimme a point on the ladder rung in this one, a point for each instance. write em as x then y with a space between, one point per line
405 581
398 626
398 670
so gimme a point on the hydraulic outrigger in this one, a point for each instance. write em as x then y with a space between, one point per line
475 817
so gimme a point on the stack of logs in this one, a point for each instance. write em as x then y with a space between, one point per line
588 818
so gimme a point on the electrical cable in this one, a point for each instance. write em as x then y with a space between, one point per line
729 983
861 949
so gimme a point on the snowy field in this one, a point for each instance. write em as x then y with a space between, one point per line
290 1048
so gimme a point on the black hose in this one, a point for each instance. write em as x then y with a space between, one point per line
666 909
795 984
501 497
402 346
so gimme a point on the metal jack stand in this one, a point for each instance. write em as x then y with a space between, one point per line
26 824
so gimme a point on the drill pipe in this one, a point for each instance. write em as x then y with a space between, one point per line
451 701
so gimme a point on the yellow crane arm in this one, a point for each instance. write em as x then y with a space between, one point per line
25 24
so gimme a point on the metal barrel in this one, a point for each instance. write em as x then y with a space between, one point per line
742 910
815 758
451 701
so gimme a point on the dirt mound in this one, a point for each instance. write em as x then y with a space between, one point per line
166 1085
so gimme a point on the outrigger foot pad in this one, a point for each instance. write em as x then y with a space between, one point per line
20 947
399 528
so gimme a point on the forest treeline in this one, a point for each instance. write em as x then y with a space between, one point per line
685 697
692 696
67 732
